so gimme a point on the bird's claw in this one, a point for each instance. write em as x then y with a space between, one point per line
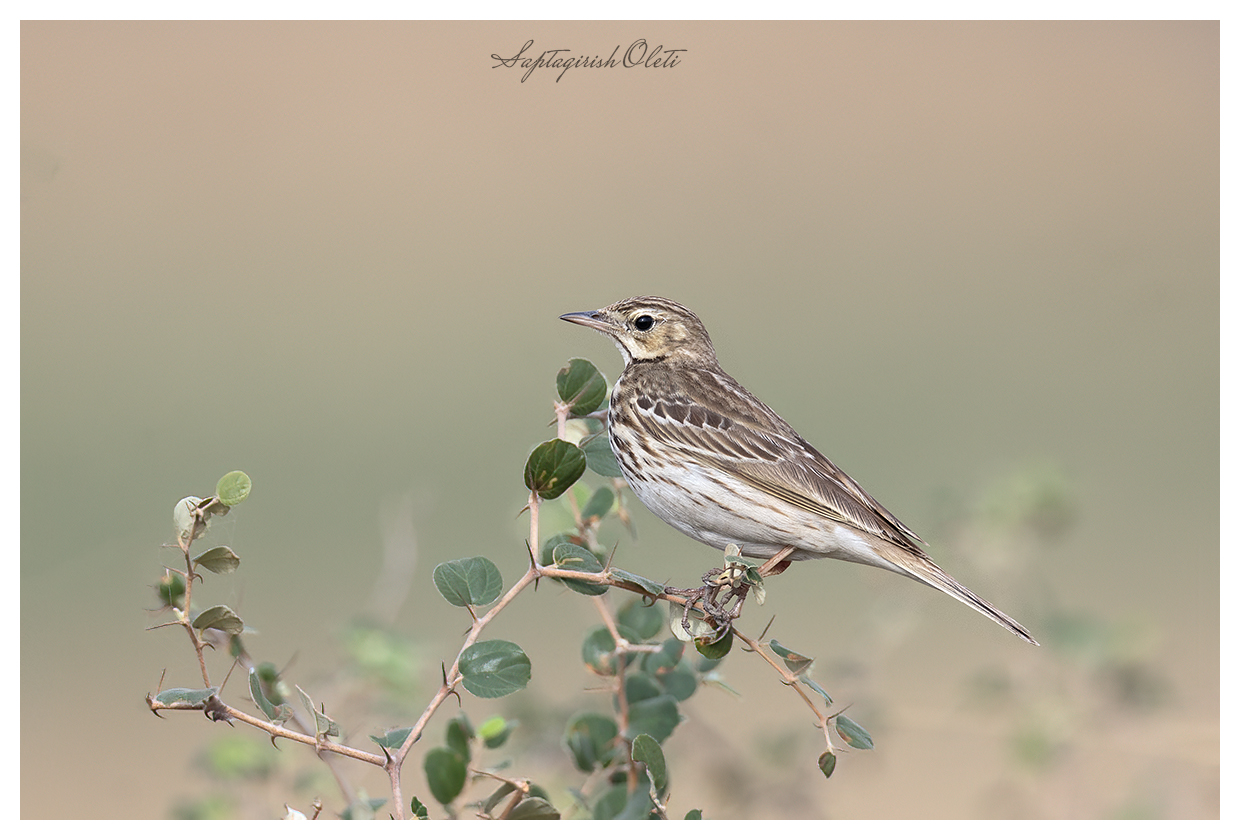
720 587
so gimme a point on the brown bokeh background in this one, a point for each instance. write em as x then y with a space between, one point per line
975 263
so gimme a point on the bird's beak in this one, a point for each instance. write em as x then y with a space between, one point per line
587 319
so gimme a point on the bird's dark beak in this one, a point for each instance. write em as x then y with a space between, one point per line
586 319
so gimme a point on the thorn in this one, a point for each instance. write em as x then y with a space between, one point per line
611 556
767 627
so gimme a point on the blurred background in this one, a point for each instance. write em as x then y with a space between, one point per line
976 264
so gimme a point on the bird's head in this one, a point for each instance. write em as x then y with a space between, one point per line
649 328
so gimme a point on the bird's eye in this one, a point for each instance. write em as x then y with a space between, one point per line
643 322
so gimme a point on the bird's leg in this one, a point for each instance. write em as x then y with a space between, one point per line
777 564
721 587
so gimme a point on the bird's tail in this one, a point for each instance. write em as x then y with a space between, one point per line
927 571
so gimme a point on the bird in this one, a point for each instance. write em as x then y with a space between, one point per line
717 464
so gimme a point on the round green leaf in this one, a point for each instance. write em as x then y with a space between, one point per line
589 738
534 808
220 560
553 467
572 556
643 618
715 650
610 803
581 386
494 668
445 773
657 717
545 557
470 580
458 736
219 618
233 488
495 731
600 504
172 591
183 517
680 682
826 763
598 650
639 686
648 752
599 457
669 655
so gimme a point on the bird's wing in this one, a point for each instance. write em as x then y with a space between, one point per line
753 443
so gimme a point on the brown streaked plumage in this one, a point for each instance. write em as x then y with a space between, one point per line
714 462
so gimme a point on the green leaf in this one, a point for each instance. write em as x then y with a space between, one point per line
807 682
715 650
459 735
853 733
553 467
695 814
393 739
545 557
581 386
645 583
826 763
419 809
323 725
665 659
616 803
233 488
219 618
638 687
657 717
610 803
495 731
534 808
599 457
172 591
184 518
638 806
600 504
598 651
589 739
185 696
445 773
220 560
571 556
470 580
647 751
494 668
279 713
680 682
645 620
796 662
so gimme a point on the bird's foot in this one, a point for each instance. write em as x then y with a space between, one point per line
721 596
